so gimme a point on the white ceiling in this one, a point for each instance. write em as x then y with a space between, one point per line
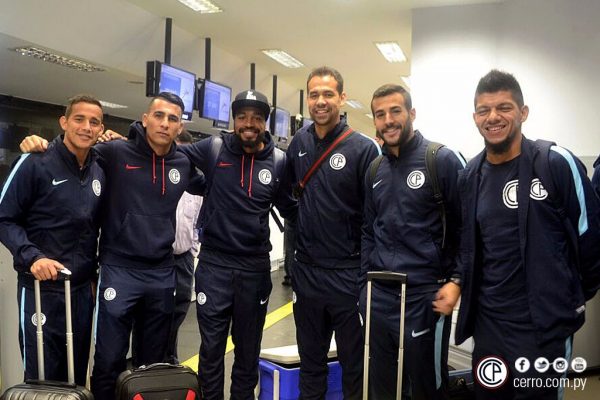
121 35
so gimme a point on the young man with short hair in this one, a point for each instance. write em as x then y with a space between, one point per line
49 210
529 250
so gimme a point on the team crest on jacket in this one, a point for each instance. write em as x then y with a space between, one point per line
96 187
264 176
34 319
509 194
110 294
537 190
337 161
174 176
201 298
415 179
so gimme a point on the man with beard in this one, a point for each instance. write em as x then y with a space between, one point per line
403 231
233 280
327 261
529 253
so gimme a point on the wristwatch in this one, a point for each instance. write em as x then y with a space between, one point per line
456 280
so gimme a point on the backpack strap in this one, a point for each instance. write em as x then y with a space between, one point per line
278 171
542 168
215 150
374 167
431 168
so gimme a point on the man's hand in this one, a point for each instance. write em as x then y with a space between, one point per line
109 135
446 298
45 269
33 144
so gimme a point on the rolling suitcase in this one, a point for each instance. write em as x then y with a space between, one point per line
385 276
160 381
42 389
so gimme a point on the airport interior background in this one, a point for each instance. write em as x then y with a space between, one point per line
117 49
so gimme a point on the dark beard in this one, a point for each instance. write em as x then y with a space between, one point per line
502 147
253 144
404 135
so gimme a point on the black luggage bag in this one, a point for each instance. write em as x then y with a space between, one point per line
158 381
42 389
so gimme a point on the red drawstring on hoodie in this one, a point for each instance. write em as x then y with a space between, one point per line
251 173
164 189
153 168
163 181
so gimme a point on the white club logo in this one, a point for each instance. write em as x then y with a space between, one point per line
96 187
491 372
174 176
110 294
201 298
34 319
537 190
264 176
294 298
509 194
337 161
415 179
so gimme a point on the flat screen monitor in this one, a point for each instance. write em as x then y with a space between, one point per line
281 127
214 102
162 77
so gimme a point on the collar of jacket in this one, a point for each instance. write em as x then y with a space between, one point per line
331 135
69 158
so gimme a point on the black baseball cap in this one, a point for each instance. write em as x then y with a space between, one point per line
251 98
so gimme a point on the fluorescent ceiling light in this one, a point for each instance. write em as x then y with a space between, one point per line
283 58
54 58
203 6
108 104
391 51
369 115
355 103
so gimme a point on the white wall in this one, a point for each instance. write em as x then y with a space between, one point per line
551 46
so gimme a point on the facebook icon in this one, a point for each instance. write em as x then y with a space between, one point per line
522 364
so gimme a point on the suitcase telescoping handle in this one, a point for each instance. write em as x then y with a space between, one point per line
66 274
385 276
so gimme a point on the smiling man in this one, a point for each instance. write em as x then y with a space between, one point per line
327 260
233 283
406 231
529 249
48 220
145 177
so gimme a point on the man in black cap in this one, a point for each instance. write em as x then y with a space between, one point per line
233 283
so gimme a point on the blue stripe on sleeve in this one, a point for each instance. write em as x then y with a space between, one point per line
583 222
12 175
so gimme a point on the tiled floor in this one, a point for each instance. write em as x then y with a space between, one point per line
283 333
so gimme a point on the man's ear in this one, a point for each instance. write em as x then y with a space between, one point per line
524 113
63 122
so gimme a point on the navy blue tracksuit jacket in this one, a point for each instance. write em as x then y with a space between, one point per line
558 279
